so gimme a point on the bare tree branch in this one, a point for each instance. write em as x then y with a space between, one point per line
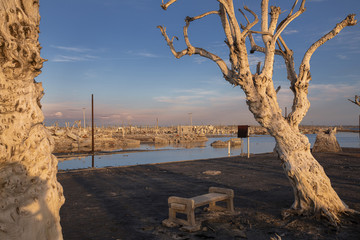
300 86
230 36
293 7
278 89
228 8
265 19
166 5
257 48
289 60
191 49
275 13
171 45
356 100
249 25
348 21
202 52
289 18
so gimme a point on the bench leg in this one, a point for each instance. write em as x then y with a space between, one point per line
212 205
172 215
230 204
191 217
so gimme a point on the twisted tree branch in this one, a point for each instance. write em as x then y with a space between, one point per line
166 5
356 100
283 24
348 21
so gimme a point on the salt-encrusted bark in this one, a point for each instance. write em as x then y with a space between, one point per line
30 195
312 188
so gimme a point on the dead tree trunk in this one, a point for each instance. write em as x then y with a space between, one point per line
30 195
313 192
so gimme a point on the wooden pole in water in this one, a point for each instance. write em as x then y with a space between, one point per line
229 153
248 147
248 142
92 129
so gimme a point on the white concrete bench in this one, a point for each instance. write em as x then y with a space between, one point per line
188 205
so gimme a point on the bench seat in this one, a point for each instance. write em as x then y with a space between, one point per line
188 205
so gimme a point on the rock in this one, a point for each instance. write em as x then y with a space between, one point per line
59 132
326 142
219 143
236 141
160 140
72 136
212 172
131 142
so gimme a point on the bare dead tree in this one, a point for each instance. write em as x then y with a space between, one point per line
313 192
356 100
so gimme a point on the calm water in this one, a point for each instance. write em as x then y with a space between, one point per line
258 144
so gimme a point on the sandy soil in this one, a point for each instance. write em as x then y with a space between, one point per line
131 202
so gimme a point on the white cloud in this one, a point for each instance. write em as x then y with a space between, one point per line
199 60
196 91
72 49
342 57
80 58
72 54
58 114
187 96
142 53
331 92
179 100
290 31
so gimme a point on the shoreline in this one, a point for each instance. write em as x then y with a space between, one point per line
65 156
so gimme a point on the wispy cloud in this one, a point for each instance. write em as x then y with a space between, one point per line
186 97
331 92
180 100
342 57
142 53
290 31
72 49
79 58
199 60
72 54
196 91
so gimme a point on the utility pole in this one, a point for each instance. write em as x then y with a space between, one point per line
92 129
84 117
190 114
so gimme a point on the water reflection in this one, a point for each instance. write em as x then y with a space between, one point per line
188 151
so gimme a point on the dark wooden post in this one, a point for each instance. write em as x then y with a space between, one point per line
92 130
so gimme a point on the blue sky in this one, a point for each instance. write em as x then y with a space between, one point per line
112 49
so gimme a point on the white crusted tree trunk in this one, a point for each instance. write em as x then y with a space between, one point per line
30 195
313 192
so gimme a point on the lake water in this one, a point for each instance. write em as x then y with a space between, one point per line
157 154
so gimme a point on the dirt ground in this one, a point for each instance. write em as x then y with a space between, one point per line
131 202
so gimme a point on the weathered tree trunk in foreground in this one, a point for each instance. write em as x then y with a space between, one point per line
30 195
313 192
